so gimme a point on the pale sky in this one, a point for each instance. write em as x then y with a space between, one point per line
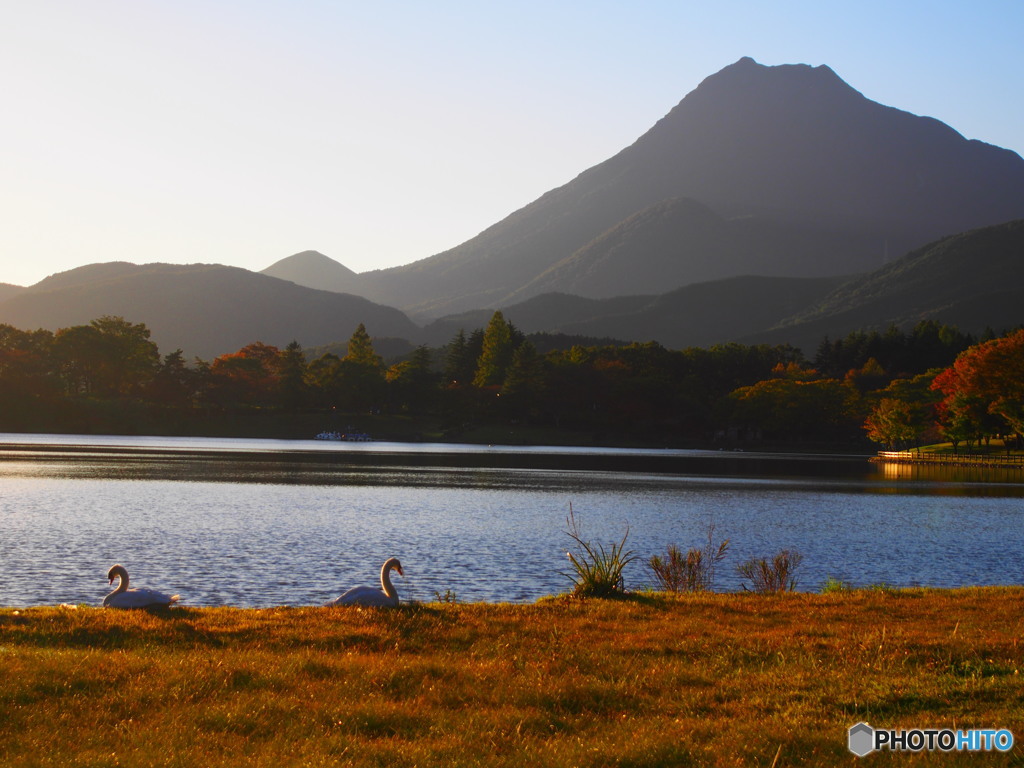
379 133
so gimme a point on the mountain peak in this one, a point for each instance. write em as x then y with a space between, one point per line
749 64
746 78
310 255
796 142
808 176
307 257
314 270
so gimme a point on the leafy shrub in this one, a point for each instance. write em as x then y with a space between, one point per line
596 572
773 576
692 572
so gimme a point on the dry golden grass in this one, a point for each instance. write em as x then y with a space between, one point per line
705 679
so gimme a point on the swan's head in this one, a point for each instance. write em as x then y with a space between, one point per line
117 572
393 564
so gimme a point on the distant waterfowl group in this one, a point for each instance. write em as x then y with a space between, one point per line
123 597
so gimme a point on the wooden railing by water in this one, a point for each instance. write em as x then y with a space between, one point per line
1009 461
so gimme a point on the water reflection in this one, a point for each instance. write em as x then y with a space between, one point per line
952 479
279 527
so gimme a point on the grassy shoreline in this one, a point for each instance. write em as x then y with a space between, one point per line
705 679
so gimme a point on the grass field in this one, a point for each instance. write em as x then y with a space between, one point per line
706 679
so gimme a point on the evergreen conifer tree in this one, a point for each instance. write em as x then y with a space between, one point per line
360 349
496 356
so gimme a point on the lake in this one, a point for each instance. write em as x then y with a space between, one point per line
257 523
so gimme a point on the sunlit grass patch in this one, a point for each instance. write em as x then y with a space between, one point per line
699 679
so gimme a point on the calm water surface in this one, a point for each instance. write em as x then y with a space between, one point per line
266 522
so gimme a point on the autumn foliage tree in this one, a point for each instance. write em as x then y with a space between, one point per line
785 408
247 377
109 357
903 414
983 391
27 377
891 423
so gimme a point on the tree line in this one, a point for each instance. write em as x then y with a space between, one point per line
980 396
895 387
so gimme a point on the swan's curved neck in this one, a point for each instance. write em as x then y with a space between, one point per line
385 583
122 580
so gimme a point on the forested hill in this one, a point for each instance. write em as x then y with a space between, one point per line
204 309
694 316
973 280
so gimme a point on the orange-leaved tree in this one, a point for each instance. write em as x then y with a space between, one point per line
986 380
246 377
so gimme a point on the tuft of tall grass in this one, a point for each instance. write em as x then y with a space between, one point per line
771 576
832 585
596 571
692 572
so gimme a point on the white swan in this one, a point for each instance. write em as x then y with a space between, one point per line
386 596
122 597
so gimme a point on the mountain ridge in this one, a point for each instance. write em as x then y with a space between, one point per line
794 144
701 314
758 179
972 280
8 289
204 309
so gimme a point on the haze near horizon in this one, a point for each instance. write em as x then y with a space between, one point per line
242 133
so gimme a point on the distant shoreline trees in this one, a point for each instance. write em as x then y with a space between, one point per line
895 388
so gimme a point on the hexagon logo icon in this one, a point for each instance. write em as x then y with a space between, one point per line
861 739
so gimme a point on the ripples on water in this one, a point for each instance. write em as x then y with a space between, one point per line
224 523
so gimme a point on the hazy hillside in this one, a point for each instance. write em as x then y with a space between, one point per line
7 290
547 313
696 315
790 145
681 241
314 270
972 280
106 272
205 309
712 313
